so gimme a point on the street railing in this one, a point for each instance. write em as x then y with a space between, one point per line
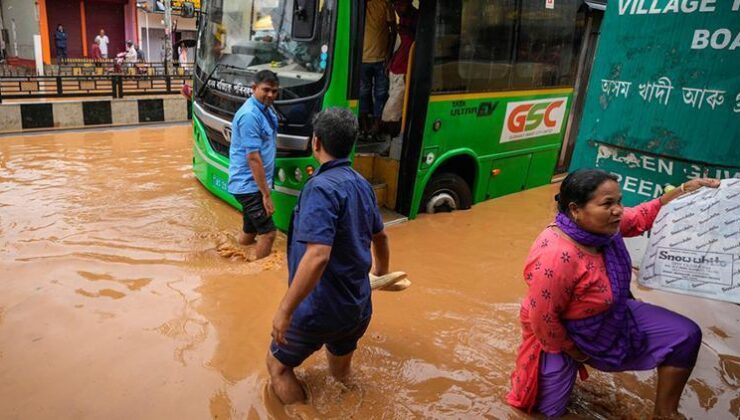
116 67
89 67
115 85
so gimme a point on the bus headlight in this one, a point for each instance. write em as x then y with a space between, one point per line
281 175
298 175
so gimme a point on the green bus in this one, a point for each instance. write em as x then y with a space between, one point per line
490 89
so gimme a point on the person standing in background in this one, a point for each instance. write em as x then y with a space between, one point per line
130 56
95 51
103 42
60 39
380 35
183 55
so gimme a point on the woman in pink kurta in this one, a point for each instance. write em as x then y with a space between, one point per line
578 308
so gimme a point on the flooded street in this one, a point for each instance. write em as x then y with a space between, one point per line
123 295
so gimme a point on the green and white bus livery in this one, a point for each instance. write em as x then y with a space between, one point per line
490 89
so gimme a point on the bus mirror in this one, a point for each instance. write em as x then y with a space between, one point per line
304 20
187 9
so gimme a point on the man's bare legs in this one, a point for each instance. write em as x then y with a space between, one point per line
246 238
339 366
671 381
284 382
264 244
286 385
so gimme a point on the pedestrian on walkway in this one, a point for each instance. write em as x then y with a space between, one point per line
252 162
182 55
103 41
130 55
60 39
579 308
329 258
380 35
95 50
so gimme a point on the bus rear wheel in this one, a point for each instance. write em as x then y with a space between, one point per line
446 192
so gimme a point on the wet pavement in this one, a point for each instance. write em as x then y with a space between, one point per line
124 295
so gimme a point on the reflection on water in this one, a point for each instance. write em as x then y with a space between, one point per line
124 292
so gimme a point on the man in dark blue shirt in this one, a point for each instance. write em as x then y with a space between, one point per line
333 226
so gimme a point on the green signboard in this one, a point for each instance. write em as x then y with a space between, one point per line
663 102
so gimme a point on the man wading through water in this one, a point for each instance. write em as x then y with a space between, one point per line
333 226
252 162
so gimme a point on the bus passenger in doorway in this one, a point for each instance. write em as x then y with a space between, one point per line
393 110
579 309
380 35
252 162
334 226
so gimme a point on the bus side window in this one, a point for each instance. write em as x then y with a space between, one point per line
484 46
546 51
474 43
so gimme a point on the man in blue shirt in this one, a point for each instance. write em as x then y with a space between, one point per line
333 226
252 162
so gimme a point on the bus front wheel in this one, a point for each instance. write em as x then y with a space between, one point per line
446 192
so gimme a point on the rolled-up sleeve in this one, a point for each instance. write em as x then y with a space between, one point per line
378 225
247 133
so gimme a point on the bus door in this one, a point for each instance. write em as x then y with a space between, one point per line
380 162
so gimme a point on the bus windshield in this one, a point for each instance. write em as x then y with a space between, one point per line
239 38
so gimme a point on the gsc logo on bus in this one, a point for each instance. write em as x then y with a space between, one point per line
528 119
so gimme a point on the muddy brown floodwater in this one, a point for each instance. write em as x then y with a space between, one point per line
123 295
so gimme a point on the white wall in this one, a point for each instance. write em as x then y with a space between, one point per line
25 16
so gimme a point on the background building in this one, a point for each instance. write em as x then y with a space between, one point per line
139 21
83 20
20 22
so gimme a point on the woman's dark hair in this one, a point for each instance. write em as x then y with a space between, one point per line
337 130
579 187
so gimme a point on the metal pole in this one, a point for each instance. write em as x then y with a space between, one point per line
3 47
15 36
146 22
168 36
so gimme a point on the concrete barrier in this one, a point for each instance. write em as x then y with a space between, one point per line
90 112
